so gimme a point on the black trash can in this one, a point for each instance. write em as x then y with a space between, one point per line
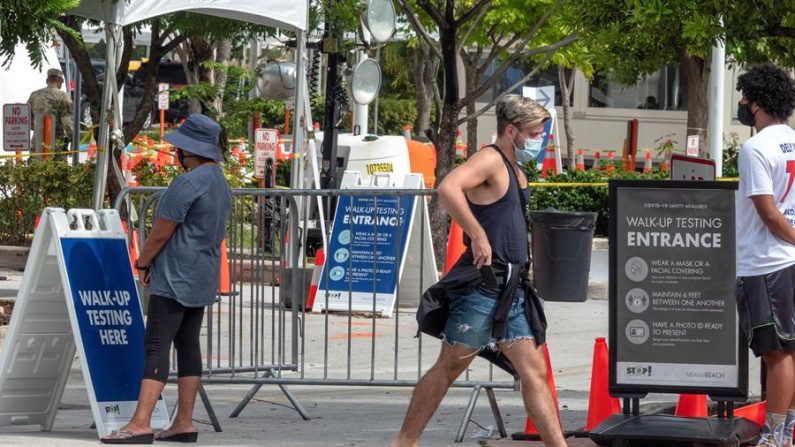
562 253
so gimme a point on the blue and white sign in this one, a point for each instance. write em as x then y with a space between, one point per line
380 251
110 321
77 295
367 250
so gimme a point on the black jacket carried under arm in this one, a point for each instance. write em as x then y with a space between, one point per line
434 305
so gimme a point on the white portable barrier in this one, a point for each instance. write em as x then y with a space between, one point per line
77 292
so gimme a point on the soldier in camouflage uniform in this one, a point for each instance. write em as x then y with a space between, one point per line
51 100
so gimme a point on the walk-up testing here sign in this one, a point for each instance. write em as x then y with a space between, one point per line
673 318
16 127
77 293
372 238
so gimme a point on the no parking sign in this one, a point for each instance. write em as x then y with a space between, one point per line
16 127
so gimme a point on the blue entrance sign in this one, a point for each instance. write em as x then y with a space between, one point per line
366 253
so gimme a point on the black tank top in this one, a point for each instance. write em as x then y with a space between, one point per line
504 222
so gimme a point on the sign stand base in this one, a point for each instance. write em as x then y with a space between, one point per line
665 430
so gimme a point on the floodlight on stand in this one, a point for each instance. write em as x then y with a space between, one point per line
380 19
276 80
365 81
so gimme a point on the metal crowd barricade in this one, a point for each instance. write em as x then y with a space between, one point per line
262 334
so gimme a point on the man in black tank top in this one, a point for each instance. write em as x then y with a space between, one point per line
485 196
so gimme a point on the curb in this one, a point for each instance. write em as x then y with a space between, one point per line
600 243
597 290
13 257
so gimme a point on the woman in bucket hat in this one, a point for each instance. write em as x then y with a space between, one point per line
180 261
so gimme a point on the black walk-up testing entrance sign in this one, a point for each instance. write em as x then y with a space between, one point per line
672 310
673 317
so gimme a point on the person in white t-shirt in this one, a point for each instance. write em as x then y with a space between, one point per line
766 240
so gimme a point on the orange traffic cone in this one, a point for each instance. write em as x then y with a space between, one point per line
647 163
132 246
530 430
755 413
123 161
580 160
224 287
601 404
610 158
692 405
460 147
597 162
455 245
549 162
320 258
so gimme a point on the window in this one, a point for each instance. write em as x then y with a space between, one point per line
663 90
515 73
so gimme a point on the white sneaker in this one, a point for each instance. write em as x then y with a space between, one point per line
778 437
788 433
766 440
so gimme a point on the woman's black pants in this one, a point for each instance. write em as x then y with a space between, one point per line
169 321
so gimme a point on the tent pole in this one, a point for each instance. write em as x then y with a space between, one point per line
298 129
103 151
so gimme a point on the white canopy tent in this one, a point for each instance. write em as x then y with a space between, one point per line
290 16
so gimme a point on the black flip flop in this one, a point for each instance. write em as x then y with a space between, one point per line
180 437
147 438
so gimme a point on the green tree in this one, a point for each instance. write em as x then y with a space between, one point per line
568 60
31 22
761 31
511 31
640 37
167 34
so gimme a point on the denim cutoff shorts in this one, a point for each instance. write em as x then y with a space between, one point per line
471 315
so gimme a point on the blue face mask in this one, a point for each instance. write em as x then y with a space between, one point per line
530 150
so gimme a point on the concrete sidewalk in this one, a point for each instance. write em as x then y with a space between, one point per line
366 415
355 416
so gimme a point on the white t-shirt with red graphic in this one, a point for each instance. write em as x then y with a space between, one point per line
767 167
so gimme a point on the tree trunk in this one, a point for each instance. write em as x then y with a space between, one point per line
423 62
223 51
471 79
445 138
445 150
83 61
565 88
193 53
696 71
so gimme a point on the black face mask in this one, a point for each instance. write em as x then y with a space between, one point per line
744 114
181 158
